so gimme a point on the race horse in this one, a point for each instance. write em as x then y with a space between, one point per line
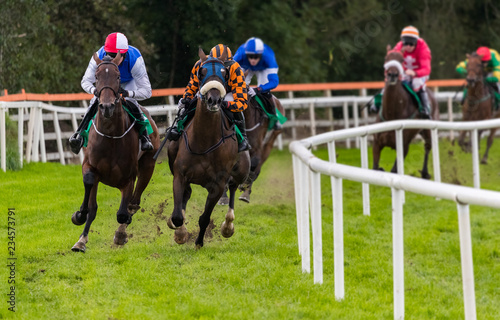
398 104
261 139
478 103
113 155
207 154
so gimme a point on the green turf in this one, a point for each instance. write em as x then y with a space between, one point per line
256 274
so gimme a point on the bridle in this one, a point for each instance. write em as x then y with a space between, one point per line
115 92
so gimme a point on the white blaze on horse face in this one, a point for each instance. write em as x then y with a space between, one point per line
107 70
397 64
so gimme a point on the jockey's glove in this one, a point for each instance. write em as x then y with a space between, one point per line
123 92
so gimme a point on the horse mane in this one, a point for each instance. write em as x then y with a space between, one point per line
107 59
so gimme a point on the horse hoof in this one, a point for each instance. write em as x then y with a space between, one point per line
227 230
120 235
133 208
244 198
484 161
79 247
76 218
181 235
223 201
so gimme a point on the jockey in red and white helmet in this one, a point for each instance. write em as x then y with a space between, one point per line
134 82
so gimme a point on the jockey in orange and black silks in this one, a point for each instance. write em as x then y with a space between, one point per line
235 84
235 100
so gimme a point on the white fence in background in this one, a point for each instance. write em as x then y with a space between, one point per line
36 113
307 170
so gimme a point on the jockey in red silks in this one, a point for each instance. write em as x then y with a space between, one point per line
417 64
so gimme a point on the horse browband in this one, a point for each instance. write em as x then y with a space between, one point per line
117 93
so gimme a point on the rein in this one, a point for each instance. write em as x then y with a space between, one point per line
113 137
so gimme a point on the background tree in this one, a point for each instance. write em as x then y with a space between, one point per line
45 46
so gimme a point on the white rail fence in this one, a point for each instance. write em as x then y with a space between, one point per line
307 171
36 114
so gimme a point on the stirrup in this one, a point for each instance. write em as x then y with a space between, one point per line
76 142
173 134
244 146
146 143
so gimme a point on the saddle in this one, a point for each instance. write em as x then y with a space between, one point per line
264 100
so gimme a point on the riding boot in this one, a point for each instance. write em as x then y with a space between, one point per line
76 140
183 113
239 121
136 111
424 99
272 109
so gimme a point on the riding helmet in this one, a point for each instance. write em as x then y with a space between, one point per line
116 42
485 52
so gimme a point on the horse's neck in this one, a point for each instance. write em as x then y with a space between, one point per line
116 125
206 126
477 91
395 101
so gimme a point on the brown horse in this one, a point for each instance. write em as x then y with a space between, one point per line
397 104
113 155
262 142
478 104
207 154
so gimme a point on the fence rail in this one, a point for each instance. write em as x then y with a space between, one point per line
301 112
307 170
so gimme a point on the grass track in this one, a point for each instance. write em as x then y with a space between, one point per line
256 273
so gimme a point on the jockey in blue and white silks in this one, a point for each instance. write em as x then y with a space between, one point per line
134 83
259 59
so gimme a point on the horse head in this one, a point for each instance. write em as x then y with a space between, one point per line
212 76
393 66
475 70
107 77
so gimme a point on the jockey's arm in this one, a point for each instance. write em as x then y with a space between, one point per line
239 89
194 83
425 64
495 63
271 71
141 79
88 78
462 68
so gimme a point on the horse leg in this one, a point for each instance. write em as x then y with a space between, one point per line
182 193
146 169
214 194
123 216
224 200
406 148
89 178
376 150
426 134
79 217
246 187
488 146
227 227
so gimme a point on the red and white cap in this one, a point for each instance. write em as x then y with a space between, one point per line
116 42
410 31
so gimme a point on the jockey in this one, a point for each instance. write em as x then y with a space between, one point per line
134 84
417 64
491 64
258 59
235 100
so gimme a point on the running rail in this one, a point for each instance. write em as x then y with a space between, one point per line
307 170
